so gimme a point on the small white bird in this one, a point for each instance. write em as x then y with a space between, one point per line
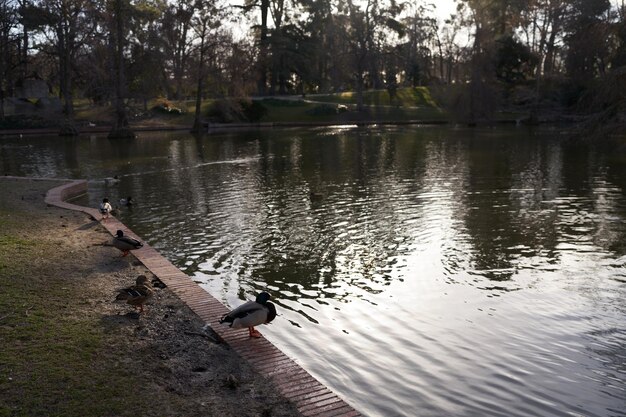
105 208
252 313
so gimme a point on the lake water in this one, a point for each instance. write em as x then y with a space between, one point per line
417 271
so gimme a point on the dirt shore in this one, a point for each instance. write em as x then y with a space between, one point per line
73 351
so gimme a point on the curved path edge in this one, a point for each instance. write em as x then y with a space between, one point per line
310 396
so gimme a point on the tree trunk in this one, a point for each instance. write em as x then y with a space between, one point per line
1 102
360 106
3 59
441 58
263 50
548 64
121 128
68 127
197 122
25 52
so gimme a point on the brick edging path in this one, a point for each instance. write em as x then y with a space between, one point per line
296 384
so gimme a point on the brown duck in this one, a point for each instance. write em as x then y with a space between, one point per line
137 294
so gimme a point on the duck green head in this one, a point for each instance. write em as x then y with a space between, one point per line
262 298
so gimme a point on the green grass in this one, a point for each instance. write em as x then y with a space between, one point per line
54 361
405 97
409 104
50 359
292 111
299 111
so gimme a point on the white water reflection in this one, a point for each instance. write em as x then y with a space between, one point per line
417 272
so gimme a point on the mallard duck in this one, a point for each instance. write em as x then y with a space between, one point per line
125 243
250 314
137 294
128 201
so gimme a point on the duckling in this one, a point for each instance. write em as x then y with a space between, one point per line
125 243
251 313
105 208
137 294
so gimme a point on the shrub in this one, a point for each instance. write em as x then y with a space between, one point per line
26 122
323 110
236 110
254 110
276 102
163 105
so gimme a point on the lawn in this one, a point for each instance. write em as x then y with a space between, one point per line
410 104
405 97
52 358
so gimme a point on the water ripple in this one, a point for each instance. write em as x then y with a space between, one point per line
416 271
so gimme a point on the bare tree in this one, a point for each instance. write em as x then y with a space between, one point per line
119 12
73 28
176 26
205 21
369 26
8 22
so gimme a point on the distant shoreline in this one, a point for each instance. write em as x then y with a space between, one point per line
215 127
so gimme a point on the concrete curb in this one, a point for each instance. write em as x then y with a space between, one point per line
296 384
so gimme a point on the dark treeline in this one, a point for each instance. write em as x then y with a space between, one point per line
537 53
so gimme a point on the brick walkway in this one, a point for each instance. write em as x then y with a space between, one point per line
308 394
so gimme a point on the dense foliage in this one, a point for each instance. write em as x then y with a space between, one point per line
109 51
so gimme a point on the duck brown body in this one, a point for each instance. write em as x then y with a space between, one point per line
136 295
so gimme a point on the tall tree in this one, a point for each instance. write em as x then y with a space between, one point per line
68 25
588 30
206 20
119 12
619 56
262 40
542 24
421 31
451 48
370 24
490 20
147 63
326 48
8 22
176 28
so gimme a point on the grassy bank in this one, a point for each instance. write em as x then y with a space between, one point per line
404 97
421 104
54 360
408 104
330 109
69 350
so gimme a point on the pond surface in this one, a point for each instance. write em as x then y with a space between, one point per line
417 271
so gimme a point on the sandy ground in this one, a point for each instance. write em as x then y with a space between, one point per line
180 356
